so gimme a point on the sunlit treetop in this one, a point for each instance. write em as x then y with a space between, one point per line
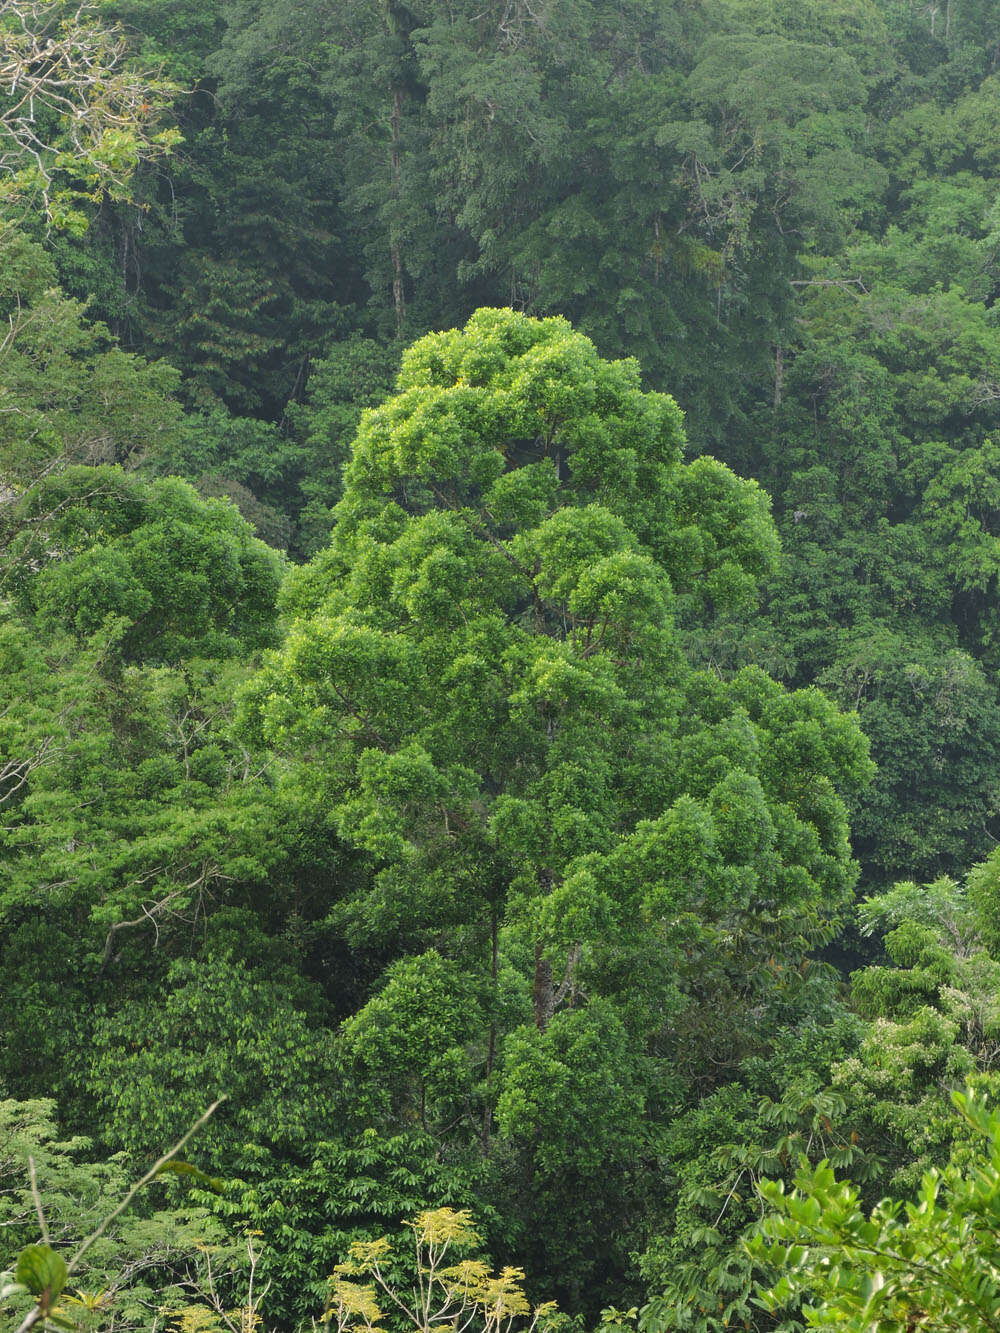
508 420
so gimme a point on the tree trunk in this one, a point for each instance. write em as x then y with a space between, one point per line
398 292
779 374
544 995
491 1049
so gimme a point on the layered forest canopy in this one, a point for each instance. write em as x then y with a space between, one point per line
499 556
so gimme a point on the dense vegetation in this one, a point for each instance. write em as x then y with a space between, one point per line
499 557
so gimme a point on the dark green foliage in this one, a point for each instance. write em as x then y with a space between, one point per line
215 1028
518 875
309 1204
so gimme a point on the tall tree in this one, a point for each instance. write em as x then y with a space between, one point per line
482 689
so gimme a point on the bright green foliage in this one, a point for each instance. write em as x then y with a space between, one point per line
72 1189
66 391
868 1093
896 1089
489 662
174 813
930 1262
930 935
482 688
124 806
786 210
932 1007
183 575
878 448
406 1048
111 745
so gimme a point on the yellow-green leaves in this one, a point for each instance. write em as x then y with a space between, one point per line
460 1293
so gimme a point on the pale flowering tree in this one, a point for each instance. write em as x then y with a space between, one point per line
77 115
462 1295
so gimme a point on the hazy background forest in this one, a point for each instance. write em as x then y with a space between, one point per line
523 797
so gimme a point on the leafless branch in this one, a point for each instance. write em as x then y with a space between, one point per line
151 913
73 104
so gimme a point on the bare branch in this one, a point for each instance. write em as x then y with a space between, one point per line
151 913
72 105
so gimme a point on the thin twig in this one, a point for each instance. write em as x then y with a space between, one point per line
38 1201
150 1174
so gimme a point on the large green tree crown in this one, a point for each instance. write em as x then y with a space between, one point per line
511 419
482 682
485 690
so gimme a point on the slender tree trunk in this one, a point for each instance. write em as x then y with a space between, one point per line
544 995
779 374
398 292
491 1049
548 997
